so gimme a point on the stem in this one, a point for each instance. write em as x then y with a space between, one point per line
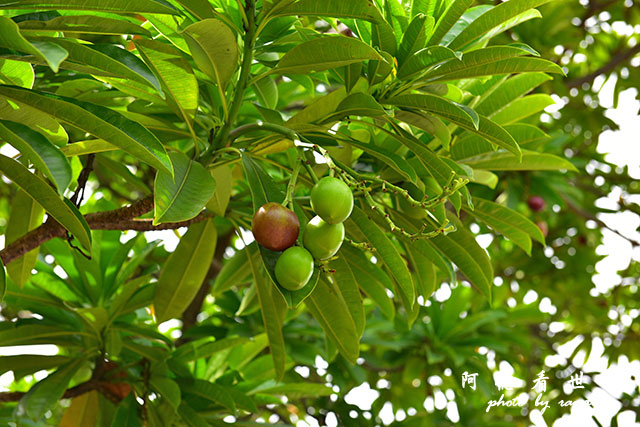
291 187
241 86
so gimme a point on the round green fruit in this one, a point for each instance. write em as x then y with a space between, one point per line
322 239
331 200
275 227
294 268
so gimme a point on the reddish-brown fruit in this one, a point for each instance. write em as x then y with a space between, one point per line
114 382
275 227
542 225
536 203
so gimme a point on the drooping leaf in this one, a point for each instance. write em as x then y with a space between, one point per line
358 9
224 183
272 317
214 49
88 24
43 154
522 108
141 6
508 91
47 198
325 53
175 75
103 123
3 281
430 124
25 215
126 415
185 270
396 162
503 161
11 38
334 318
181 197
385 248
346 279
44 394
513 225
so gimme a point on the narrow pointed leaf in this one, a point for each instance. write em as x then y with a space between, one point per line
508 91
183 196
415 37
16 73
47 198
358 9
325 53
424 59
522 108
99 121
185 270
386 250
11 38
347 280
83 411
503 161
138 6
43 154
448 19
87 24
493 18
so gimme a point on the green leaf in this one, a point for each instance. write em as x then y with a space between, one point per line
47 198
504 66
357 104
185 270
3 281
224 184
139 6
298 390
167 388
522 108
210 391
430 124
214 49
424 59
16 73
234 270
346 279
83 411
371 279
46 393
195 350
29 334
491 19
25 215
508 91
454 113
325 53
99 121
462 249
272 317
11 38
385 250
390 159
448 19
266 90
43 154
333 316
126 415
424 275
176 77
358 9
503 161
415 37
30 363
81 148
511 224
87 24
181 197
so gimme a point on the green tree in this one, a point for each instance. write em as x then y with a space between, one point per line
146 115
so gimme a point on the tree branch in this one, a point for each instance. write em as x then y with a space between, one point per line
118 219
86 387
616 60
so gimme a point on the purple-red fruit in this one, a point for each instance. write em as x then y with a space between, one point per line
275 227
542 225
536 203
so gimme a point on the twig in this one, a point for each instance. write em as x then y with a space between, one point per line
615 61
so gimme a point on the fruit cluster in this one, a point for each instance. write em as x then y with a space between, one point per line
276 228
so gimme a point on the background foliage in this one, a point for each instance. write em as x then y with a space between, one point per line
130 117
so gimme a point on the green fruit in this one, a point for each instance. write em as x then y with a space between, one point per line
275 227
332 200
322 239
294 268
